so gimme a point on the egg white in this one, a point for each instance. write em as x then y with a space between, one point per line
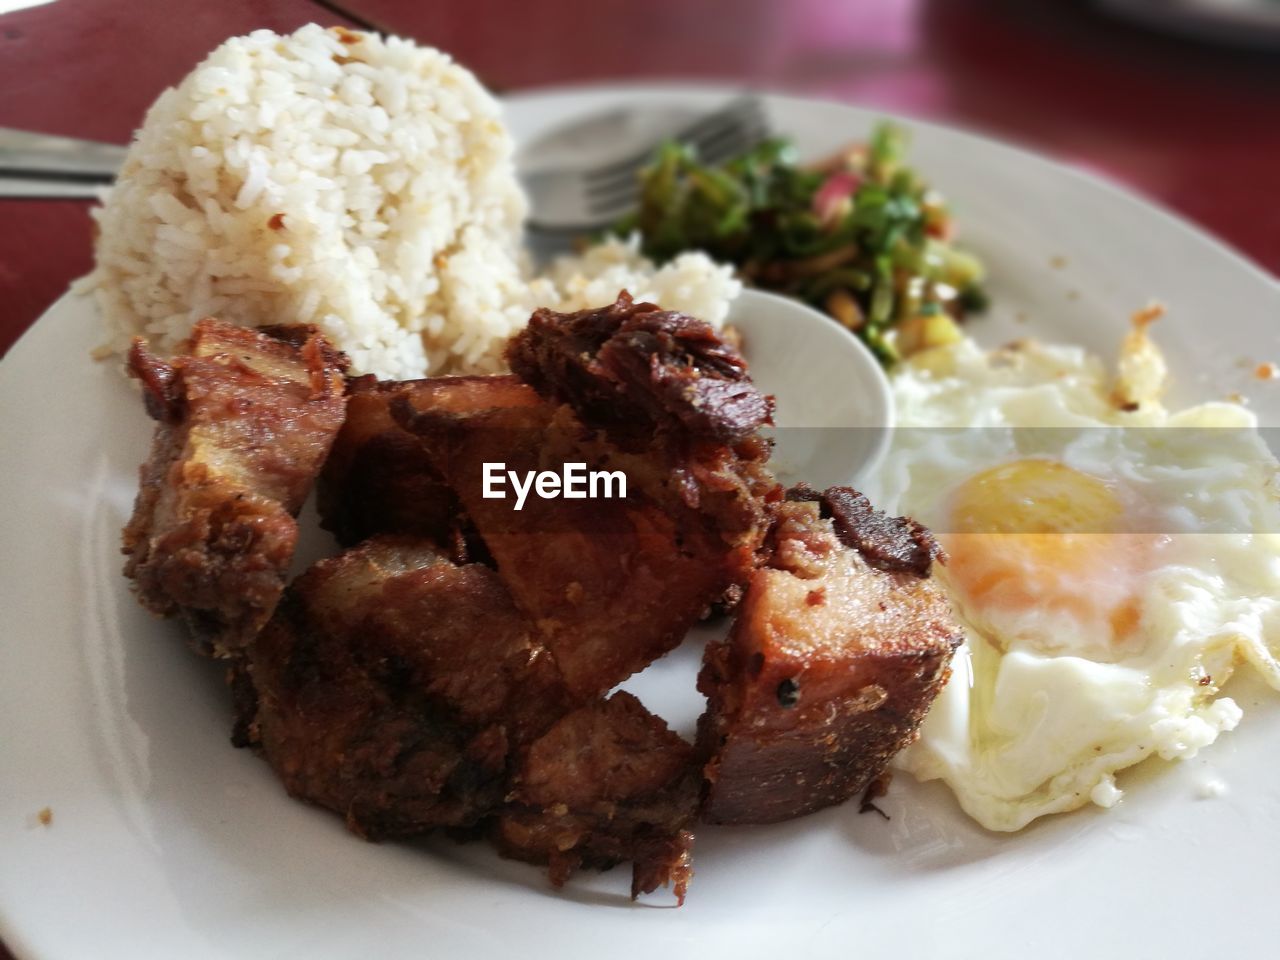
1043 709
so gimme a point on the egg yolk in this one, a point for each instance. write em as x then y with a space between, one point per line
1038 536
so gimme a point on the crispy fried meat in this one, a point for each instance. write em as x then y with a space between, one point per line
246 418
410 689
833 661
608 783
392 686
611 584
379 479
634 368
891 544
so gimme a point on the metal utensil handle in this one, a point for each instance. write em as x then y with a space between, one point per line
36 153
49 188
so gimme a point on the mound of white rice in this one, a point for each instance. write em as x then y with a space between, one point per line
361 184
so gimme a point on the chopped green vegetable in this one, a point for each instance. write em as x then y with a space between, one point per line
861 236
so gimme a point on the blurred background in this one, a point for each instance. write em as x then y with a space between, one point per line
1176 99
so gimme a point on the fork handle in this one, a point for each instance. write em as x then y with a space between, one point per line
37 154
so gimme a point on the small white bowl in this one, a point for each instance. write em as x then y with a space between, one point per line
834 404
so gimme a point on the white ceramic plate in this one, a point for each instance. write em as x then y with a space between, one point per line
166 842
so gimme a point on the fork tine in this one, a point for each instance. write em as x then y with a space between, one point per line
611 208
724 118
624 198
725 144
735 111
731 143
619 169
608 205
611 190
749 115
734 145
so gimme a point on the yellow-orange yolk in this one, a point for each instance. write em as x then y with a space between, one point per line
1036 536
1037 497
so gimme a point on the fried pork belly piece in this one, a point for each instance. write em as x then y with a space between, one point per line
246 418
840 646
380 479
392 686
611 584
634 368
674 407
608 783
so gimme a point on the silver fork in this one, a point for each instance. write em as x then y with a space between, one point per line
41 165
569 201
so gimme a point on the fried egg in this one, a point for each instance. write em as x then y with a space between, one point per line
1111 562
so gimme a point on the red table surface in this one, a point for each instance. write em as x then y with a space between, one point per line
1193 126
